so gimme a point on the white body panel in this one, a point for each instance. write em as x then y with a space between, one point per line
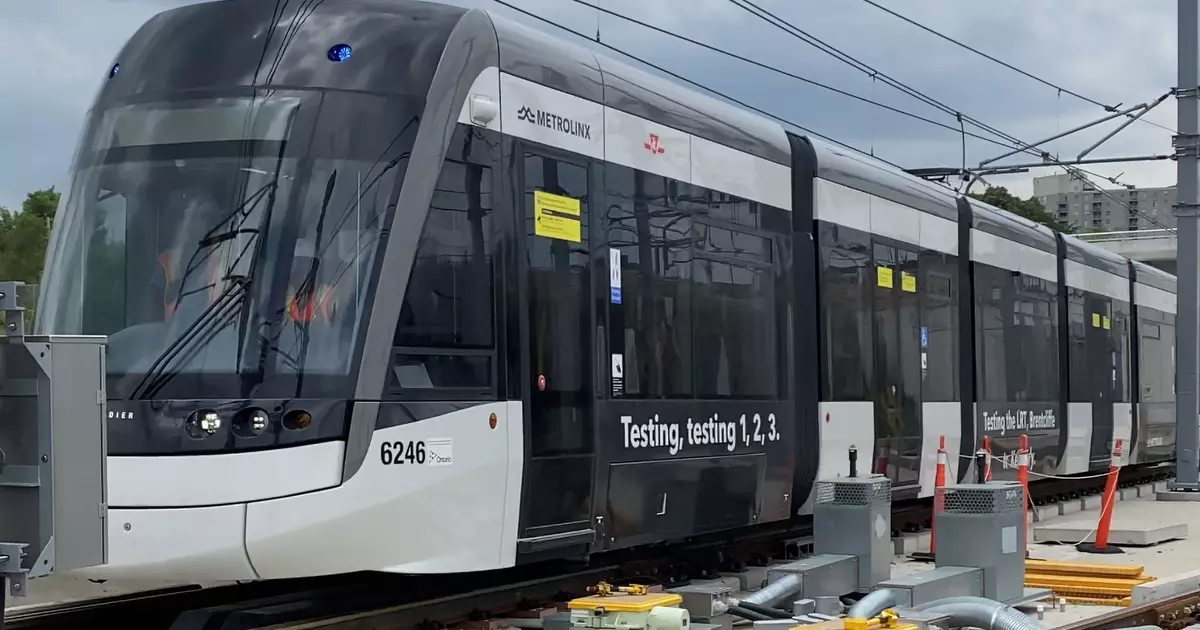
841 424
1095 280
937 420
1123 429
188 480
1153 297
845 206
459 514
404 518
176 544
1079 438
1003 253
844 424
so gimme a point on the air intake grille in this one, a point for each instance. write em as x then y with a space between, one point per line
855 491
992 498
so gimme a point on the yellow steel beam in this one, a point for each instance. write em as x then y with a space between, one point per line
1082 568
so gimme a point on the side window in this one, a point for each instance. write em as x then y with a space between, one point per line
846 277
735 306
1034 364
1156 367
993 289
1120 333
939 322
1081 379
654 236
701 297
446 338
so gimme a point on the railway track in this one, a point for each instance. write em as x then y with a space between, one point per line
370 600
1174 613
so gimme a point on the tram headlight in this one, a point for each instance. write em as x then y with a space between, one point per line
203 423
250 422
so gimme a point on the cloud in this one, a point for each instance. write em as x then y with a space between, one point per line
1099 48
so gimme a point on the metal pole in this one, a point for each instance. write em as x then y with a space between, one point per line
1187 213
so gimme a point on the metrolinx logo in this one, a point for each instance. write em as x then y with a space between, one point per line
550 120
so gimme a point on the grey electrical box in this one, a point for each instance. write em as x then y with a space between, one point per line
53 450
853 516
923 587
980 525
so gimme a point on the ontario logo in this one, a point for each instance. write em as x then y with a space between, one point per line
550 120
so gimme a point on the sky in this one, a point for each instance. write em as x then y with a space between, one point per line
1101 49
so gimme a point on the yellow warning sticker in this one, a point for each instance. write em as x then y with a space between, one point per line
1095 320
555 216
1107 323
908 282
883 277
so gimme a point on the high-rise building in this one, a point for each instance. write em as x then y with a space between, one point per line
1077 202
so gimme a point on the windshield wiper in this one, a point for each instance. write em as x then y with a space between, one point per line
157 376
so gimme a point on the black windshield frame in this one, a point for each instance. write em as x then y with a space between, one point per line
339 156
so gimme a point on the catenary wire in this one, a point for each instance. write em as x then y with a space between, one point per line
750 7
686 80
1063 90
791 75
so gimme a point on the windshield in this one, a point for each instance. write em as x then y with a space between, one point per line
222 259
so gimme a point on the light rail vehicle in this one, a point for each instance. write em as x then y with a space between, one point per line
397 286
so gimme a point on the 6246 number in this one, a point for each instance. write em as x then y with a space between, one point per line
401 452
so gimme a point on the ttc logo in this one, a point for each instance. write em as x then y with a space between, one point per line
652 145
526 114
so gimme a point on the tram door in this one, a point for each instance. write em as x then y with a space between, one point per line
1102 366
897 365
553 211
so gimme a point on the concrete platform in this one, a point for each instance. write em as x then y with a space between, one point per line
1129 532
1178 496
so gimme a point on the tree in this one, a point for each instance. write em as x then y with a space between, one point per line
24 236
1031 208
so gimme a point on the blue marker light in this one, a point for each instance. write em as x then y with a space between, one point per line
340 53
115 69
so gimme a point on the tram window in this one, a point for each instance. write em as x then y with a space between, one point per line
846 277
445 336
1156 365
1120 333
1017 316
1081 379
991 284
1035 323
654 235
938 292
735 300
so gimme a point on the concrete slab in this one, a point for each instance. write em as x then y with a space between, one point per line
1128 494
1069 506
908 542
1163 588
1145 490
1127 534
1173 495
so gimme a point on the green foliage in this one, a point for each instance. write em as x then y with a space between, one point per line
23 239
1031 208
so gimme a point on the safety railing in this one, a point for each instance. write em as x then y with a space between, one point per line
1131 235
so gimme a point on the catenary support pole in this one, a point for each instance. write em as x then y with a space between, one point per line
1187 213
